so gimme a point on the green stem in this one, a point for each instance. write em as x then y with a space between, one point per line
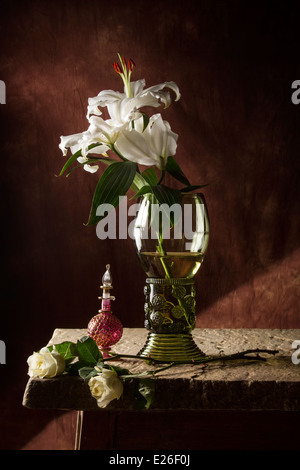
168 272
144 374
162 251
203 360
161 177
163 368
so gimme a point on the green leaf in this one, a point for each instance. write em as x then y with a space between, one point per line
193 188
69 162
138 182
144 190
145 394
88 351
92 161
100 363
67 350
150 176
142 183
74 157
87 372
174 169
114 182
73 368
166 195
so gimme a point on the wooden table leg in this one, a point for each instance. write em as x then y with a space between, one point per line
78 430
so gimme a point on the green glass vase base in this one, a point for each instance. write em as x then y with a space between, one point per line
171 348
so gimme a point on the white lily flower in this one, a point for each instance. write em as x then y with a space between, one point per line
102 99
70 141
82 141
124 107
104 131
86 166
123 132
152 146
155 95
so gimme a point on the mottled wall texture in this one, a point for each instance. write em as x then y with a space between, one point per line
234 62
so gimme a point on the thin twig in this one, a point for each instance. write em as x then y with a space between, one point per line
203 360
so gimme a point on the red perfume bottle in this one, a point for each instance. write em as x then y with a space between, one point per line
105 328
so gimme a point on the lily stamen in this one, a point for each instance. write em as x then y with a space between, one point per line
131 65
125 72
117 67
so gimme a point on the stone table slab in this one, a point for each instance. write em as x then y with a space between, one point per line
273 384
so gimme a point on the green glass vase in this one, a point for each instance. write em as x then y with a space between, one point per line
171 242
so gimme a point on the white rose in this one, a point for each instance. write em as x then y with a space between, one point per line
105 387
45 364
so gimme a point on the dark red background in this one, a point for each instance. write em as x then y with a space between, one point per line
234 63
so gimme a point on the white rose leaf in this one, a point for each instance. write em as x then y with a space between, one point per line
145 394
88 351
87 372
67 350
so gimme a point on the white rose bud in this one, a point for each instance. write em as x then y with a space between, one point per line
105 387
45 363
